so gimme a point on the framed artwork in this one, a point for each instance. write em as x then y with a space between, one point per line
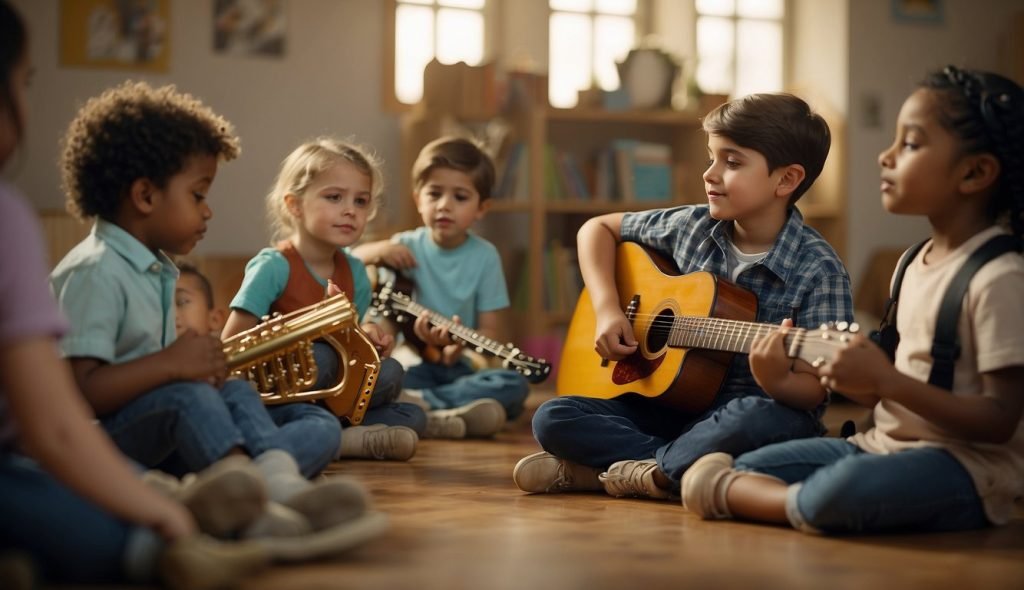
119 34
918 11
249 27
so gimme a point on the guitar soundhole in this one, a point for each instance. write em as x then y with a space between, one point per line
658 331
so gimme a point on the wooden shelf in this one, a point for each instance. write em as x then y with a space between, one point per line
661 117
598 207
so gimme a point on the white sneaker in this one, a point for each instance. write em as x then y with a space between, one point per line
441 424
378 441
701 489
545 473
633 479
483 418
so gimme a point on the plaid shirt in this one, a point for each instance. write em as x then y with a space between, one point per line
801 277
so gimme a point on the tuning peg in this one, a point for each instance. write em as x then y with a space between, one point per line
854 328
818 362
842 326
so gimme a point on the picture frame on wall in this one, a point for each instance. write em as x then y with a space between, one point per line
918 11
254 28
116 34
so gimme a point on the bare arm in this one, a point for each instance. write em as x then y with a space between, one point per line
55 429
596 241
108 387
386 252
991 417
238 321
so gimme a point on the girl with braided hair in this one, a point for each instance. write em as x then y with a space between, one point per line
936 459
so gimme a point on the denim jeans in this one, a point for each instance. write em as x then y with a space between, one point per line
451 387
194 421
597 432
310 433
383 408
69 539
844 489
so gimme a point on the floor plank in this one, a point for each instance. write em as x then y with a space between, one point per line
458 521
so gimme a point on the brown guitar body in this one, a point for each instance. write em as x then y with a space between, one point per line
682 378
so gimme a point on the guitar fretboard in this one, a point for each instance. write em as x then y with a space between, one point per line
460 331
722 334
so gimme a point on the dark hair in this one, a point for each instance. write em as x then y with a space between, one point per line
779 126
985 111
135 131
459 154
13 42
186 268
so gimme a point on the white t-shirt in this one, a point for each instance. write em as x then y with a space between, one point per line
739 261
991 332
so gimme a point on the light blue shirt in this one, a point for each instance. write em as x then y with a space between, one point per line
118 295
462 281
266 276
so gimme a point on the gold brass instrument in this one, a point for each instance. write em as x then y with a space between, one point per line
277 357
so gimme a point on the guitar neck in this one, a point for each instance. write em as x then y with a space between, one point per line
464 333
721 334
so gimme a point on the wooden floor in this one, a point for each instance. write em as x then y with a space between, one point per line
458 521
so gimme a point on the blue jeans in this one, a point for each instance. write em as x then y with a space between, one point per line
383 407
69 539
598 432
451 387
196 422
844 489
313 434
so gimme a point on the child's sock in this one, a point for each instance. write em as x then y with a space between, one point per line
324 503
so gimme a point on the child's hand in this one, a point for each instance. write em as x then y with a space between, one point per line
397 256
381 339
197 357
860 369
614 338
769 363
332 289
173 521
439 337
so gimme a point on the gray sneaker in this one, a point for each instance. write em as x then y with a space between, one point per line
443 424
545 473
483 418
633 479
379 441
224 497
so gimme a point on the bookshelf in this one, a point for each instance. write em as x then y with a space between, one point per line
535 229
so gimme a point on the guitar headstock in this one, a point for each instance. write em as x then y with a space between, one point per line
385 300
535 370
818 347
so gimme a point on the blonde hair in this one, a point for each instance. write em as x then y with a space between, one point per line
304 164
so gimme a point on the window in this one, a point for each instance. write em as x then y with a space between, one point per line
586 39
739 46
450 30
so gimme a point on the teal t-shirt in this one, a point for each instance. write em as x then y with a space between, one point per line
118 295
266 276
462 281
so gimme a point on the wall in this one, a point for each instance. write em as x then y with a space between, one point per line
327 83
886 60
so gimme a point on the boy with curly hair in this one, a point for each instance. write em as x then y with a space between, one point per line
140 161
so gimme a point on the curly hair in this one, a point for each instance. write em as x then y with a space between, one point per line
135 131
456 153
303 165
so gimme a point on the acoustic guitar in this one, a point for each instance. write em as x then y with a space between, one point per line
390 302
688 328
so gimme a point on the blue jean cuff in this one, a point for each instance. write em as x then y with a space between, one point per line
796 519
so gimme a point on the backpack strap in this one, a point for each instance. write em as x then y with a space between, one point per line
946 343
887 335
